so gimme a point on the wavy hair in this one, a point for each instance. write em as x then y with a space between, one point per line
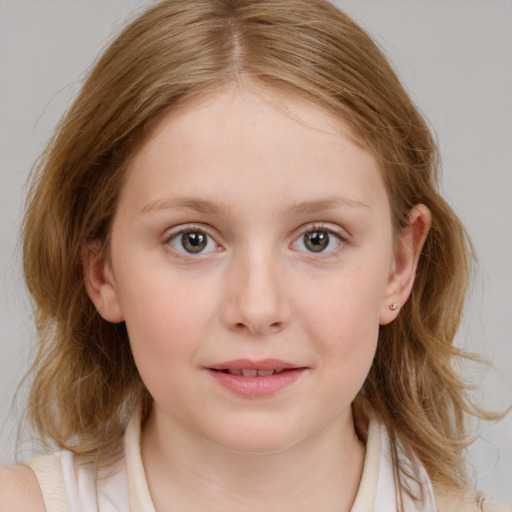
85 382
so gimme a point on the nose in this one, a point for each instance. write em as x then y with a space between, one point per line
256 300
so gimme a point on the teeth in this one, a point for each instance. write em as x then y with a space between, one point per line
246 372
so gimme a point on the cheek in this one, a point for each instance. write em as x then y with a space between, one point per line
165 331
349 300
345 333
165 323
342 315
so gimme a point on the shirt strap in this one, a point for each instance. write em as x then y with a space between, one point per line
48 471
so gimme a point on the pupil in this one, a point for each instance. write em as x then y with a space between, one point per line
193 241
316 241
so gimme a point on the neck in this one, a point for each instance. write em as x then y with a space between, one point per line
187 472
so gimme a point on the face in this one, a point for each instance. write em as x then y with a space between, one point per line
252 259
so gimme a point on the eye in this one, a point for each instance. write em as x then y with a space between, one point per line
319 241
193 242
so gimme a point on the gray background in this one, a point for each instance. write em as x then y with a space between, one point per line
455 57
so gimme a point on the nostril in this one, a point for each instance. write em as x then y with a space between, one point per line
259 328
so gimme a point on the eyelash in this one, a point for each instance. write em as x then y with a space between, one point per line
322 229
174 236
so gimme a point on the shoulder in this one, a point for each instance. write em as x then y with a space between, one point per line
19 490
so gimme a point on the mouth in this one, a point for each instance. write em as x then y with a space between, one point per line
251 372
261 368
256 378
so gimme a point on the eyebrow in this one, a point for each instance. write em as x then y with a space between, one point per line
329 203
185 203
214 208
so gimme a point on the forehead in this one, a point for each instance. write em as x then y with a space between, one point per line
241 144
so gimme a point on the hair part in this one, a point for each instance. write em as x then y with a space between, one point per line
85 382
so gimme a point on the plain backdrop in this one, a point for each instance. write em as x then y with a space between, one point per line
455 58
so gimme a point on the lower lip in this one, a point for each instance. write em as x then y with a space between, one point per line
257 386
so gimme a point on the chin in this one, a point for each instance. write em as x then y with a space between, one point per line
256 441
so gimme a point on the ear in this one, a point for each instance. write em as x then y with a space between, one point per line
406 257
100 284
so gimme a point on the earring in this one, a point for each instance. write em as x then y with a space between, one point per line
394 306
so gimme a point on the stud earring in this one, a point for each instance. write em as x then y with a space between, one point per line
394 306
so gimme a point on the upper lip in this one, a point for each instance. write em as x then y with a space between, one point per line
247 364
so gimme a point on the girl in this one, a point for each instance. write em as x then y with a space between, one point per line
246 284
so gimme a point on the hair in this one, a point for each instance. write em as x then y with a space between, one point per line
85 382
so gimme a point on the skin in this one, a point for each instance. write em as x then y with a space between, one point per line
254 171
19 490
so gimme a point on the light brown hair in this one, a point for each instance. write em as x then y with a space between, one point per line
85 382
